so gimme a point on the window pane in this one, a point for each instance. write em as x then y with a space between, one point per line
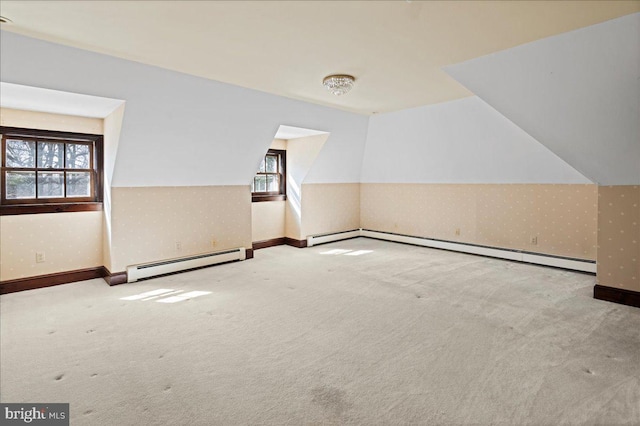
261 169
260 183
272 164
21 185
21 153
272 183
50 184
78 184
50 155
78 156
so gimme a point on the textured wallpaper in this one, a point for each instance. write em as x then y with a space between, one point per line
619 236
267 220
562 218
147 222
330 208
69 241
47 121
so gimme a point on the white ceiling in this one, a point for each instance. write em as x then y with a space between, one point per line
582 102
53 101
395 49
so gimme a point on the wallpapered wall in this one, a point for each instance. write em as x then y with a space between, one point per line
562 217
70 241
619 236
267 220
149 221
328 208
46 121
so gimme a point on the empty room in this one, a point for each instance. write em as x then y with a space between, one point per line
320 212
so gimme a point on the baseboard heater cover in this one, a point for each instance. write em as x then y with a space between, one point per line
147 270
520 256
315 240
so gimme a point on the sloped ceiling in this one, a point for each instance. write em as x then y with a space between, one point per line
395 49
462 141
577 93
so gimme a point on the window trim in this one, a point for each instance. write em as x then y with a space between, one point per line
55 205
281 195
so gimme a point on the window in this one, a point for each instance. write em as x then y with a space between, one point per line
269 184
47 172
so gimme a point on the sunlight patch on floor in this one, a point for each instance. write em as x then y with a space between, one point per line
183 297
347 252
358 252
162 293
147 294
336 251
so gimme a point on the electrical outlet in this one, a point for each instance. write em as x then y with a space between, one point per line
178 246
40 258
534 240
458 231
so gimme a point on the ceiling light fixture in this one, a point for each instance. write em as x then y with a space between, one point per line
4 20
338 84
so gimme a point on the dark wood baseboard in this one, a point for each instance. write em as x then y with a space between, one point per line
115 278
268 243
278 242
295 243
41 281
248 254
617 295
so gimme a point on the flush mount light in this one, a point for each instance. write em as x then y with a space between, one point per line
338 84
4 20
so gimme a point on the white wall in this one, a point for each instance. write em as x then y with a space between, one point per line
578 93
302 155
180 130
462 141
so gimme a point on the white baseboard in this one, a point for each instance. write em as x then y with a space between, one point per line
539 259
314 240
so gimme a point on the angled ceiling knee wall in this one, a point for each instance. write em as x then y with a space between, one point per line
181 130
577 93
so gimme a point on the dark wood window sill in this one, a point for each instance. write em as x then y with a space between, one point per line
13 209
260 198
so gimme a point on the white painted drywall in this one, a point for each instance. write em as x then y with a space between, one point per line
462 141
578 93
180 130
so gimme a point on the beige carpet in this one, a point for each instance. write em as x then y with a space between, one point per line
398 335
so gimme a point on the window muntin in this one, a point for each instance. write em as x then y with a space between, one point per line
269 183
42 168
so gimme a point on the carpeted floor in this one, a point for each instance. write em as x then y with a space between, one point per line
398 335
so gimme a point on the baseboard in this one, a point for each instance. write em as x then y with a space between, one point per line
268 243
49 280
115 278
295 243
617 295
572 264
248 253
315 240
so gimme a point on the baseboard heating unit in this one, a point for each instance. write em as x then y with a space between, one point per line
147 270
500 253
315 240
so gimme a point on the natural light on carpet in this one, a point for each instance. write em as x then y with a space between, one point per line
347 252
184 296
162 293
358 252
